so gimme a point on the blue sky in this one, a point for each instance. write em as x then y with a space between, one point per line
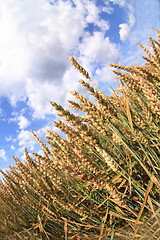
36 39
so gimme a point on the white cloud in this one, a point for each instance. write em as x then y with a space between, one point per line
125 28
98 48
105 74
91 11
3 154
131 15
26 139
12 147
36 39
23 122
8 139
42 131
108 9
124 31
104 25
39 96
35 42
122 3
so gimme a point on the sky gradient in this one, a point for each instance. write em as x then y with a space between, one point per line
36 39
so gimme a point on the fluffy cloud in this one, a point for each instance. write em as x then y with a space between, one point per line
35 41
108 9
32 45
99 49
3 154
124 31
125 28
131 15
26 139
12 147
105 74
122 3
8 139
23 122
